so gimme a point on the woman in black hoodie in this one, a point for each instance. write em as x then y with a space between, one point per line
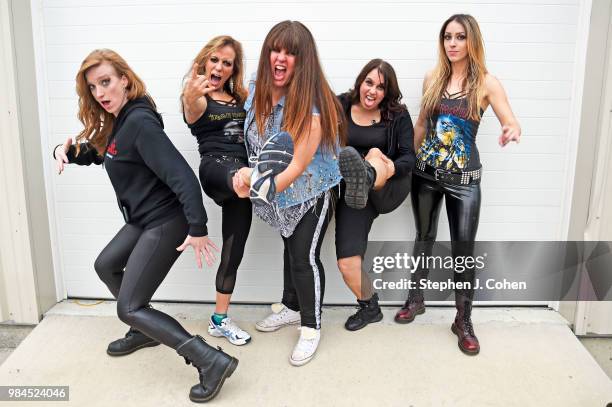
376 166
160 200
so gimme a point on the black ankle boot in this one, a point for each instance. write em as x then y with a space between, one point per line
214 366
358 175
131 342
369 311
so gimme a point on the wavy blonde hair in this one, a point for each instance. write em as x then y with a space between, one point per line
308 87
97 121
238 90
474 82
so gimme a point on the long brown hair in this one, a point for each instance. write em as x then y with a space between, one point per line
97 121
391 103
474 82
308 86
237 91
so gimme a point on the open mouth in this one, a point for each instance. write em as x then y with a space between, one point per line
369 100
105 104
279 72
215 80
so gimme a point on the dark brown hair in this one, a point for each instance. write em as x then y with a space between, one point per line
391 103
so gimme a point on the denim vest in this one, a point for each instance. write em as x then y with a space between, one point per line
321 174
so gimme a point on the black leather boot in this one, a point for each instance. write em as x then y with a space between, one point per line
359 177
131 342
214 366
369 311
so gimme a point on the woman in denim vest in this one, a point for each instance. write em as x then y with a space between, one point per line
291 131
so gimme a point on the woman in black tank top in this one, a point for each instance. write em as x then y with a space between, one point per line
380 142
213 98
455 95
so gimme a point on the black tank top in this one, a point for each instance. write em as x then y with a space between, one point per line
363 138
220 130
450 140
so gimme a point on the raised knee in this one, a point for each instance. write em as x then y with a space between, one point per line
375 151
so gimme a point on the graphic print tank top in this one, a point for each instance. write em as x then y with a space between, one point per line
450 140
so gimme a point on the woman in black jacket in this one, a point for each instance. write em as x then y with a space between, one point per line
376 165
160 200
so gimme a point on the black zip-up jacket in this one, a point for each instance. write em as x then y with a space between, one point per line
152 180
400 138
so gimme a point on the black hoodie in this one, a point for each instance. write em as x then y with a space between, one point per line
152 180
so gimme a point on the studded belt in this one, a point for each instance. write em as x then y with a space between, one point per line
456 178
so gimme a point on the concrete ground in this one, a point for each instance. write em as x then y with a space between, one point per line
529 357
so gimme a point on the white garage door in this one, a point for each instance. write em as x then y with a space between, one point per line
531 47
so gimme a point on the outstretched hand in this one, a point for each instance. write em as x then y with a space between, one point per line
60 155
201 245
510 133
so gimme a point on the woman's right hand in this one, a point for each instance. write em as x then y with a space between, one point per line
196 85
241 189
60 155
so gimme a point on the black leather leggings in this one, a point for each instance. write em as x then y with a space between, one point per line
133 265
216 179
462 210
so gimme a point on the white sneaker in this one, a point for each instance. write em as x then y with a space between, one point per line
229 330
306 346
281 316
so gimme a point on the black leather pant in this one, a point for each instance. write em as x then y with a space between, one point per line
462 210
133 265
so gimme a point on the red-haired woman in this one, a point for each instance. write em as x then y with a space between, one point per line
161 203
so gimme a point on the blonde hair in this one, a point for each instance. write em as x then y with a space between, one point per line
97 121
238 90
474 82
307 88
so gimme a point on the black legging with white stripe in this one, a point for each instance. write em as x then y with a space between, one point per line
304 277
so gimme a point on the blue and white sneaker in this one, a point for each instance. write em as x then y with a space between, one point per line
229 330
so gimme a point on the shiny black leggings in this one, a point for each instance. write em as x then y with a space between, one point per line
133 265
462 210
216 179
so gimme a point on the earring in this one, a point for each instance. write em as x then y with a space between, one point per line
231 85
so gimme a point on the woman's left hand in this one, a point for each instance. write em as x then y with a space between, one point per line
201 245
510 133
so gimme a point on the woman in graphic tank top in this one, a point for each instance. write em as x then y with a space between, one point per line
455 95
